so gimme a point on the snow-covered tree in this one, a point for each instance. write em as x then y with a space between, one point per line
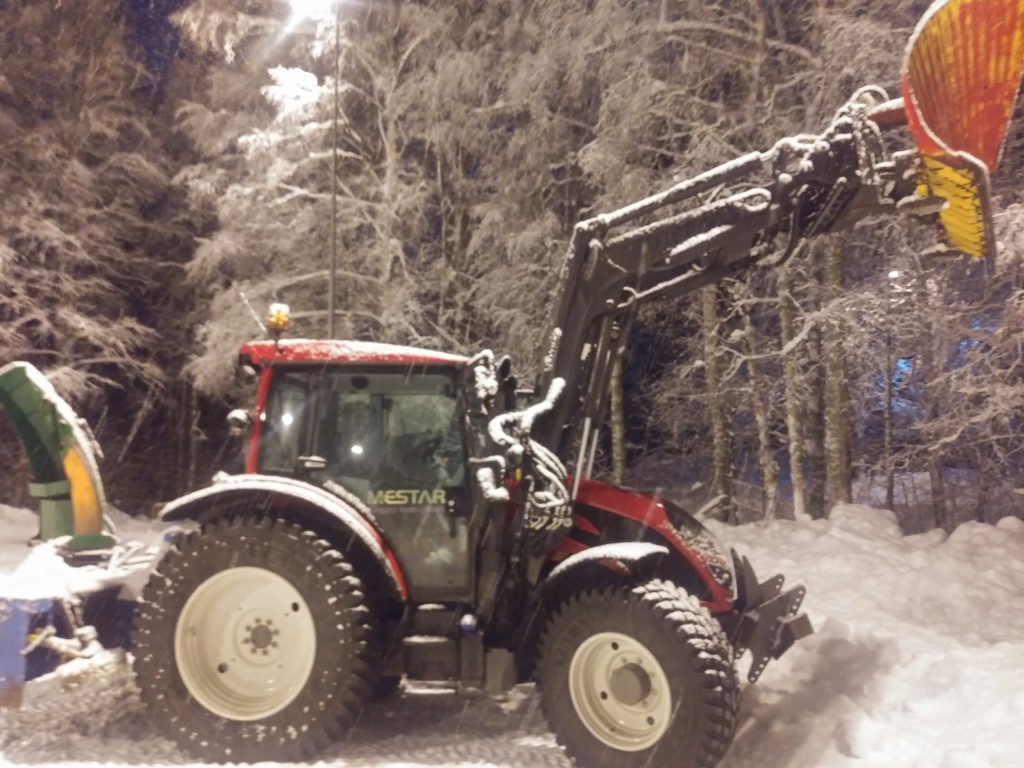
93 231
472 135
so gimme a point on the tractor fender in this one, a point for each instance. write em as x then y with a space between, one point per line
349 527
693 548
629 561
627 558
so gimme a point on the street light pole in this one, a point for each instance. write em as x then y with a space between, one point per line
334 175
890 372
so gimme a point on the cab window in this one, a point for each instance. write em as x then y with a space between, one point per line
283 428
395 441
390 431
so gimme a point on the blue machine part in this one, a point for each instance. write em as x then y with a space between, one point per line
18 617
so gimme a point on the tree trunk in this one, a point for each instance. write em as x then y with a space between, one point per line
791 376
837 405
815 419
930 369
987 476
760 405
940 512
194 435
722 464
887 457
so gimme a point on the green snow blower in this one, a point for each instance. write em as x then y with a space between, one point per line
62 456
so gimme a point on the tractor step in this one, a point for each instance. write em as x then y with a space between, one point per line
435 619
442 643
431 657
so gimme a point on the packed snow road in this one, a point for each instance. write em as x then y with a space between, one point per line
918 662
105 723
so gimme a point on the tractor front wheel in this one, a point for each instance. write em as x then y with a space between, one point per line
638 677
251 642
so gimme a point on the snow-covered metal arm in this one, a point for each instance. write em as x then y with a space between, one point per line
756 208
959 88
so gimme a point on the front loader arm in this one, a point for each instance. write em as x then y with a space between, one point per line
960 79
961 76
697 233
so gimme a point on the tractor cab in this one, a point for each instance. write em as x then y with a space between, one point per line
385 424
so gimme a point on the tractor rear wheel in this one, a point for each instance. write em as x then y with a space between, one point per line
250 642
638 677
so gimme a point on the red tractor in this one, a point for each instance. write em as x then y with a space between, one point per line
405 512
377 533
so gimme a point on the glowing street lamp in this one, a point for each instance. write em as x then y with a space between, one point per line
319 10
312 9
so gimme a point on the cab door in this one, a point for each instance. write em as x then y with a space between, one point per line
395 439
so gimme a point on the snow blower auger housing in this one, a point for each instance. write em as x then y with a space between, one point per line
40 630
62 457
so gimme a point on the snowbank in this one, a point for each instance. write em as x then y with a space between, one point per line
30 572
918 659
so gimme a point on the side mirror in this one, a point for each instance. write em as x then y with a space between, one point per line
239 421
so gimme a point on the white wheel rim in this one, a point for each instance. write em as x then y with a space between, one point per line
620 691
245 643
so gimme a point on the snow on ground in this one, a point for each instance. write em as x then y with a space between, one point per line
39 571
918 658
918 662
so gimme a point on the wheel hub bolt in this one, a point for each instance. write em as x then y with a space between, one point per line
261 635
630 684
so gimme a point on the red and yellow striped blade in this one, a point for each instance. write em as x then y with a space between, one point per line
966 217
961 76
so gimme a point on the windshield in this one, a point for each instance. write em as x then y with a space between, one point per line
390 431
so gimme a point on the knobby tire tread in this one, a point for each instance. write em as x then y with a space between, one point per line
339 683
700 644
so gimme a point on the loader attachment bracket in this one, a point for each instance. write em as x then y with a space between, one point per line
769 621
